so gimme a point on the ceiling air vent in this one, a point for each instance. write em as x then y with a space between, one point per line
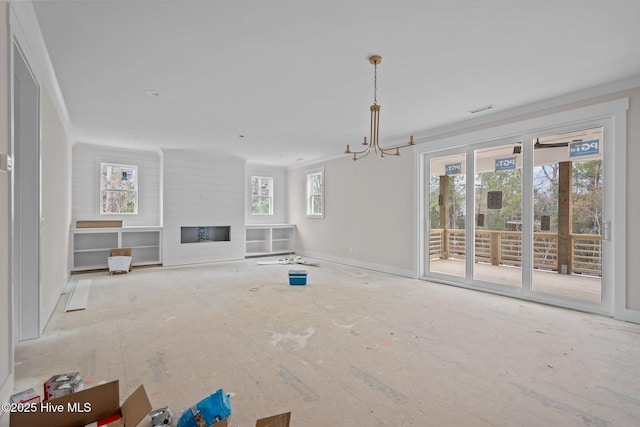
483 108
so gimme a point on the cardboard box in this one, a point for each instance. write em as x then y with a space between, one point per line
280 420
85 407
105 223
120 252
112 421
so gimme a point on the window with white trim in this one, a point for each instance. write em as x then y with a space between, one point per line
315 193
261 195
118 189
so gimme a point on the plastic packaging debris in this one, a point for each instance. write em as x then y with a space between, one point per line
160 417
291 259
207 412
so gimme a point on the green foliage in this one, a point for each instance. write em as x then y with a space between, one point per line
261 206
261 195
457 206
119 185
434 208
118 201
509 183
586 198
545 196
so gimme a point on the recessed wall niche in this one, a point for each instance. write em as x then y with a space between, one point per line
204 234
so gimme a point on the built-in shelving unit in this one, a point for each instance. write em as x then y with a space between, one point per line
270 239
91 246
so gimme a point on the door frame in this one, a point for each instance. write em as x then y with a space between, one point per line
606 304
424 260
614 264
470 230
26 296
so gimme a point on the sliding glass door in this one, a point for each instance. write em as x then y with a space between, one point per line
523 216
498 214
446 235
568 183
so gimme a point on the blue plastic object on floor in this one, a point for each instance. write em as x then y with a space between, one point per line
209 410
297 277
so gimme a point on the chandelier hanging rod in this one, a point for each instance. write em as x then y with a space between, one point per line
374 126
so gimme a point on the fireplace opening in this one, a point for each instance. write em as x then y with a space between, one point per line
203 234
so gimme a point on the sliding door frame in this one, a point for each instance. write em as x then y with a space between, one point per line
471 226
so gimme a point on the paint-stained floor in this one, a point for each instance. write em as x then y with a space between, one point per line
352 348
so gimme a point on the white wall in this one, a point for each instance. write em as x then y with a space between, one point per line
279 176
202 189
86 183
633 200
369 213
55 207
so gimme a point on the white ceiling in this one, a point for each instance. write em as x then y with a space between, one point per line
294 78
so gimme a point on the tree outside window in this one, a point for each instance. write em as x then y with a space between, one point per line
315 193
261 195
118 189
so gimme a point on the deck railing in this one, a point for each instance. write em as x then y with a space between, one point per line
586 253
505 248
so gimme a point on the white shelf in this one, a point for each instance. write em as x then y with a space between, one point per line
269 239
91 246
92 250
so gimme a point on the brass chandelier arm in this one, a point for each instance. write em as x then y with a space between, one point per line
360 154
380 152
357 155
395 150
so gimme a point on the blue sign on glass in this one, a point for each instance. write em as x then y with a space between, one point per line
584 148
453 169
506 164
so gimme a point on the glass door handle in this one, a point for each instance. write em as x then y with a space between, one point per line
606 231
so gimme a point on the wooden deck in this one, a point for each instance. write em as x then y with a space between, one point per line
571 286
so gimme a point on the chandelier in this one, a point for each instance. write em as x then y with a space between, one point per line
374 127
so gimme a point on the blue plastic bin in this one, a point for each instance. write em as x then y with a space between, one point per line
297 277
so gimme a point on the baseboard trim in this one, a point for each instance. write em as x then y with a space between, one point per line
628 315
361 264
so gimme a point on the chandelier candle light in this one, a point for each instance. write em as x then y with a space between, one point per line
375 125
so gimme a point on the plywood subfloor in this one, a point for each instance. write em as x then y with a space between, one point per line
352 348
